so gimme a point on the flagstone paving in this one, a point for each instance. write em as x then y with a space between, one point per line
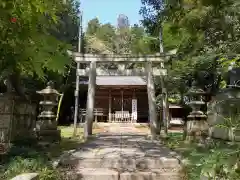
123 153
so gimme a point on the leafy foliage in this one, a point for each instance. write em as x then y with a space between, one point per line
206 34
217 160
35 37
28 157
105 38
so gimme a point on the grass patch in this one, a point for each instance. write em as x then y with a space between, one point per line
216 160
142 127
27 157
67 131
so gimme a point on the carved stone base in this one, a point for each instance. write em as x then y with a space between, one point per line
46 124
196 130
48 135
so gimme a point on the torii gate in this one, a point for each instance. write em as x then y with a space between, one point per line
92 71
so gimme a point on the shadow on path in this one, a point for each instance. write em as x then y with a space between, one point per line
124 150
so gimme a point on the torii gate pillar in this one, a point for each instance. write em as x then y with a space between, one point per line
90 100
154 124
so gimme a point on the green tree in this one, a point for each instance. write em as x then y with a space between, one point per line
106 33
33 38
105 38
98 37
141 43
202 31
93 26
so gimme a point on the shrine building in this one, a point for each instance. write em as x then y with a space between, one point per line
119 99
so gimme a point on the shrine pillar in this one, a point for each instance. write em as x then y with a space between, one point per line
90 100
151 101
110 106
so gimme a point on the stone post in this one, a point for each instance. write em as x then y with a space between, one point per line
165 109
90 100
110 106
46 125
154 127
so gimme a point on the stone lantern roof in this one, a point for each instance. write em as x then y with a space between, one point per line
195 90
49 90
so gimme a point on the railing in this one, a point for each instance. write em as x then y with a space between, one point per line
118 116
82 114
176 121
122 116
98 112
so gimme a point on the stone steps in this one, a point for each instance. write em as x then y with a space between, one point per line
143 163
118 156
112 174
124 169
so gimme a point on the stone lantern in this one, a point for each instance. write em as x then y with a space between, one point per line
223 116
46 125
196 126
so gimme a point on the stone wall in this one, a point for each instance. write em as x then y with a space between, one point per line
17 118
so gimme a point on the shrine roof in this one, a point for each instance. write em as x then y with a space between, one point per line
120 81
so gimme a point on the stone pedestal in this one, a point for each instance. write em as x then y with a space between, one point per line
196 128
46 125
223 118
196 125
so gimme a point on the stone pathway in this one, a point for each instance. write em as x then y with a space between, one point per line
122 153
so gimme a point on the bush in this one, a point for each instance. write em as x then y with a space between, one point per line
27 160
215 160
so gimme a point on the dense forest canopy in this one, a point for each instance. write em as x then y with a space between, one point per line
106 38
36 35
206 34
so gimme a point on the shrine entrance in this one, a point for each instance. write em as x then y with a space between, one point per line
121 103
148 67
121 107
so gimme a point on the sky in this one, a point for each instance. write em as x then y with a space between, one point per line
107 11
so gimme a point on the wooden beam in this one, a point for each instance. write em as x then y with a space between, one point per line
126 72
83 58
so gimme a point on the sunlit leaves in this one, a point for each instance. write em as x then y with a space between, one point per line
105 39
28 43
202 31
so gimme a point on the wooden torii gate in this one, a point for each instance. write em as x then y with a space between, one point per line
92 71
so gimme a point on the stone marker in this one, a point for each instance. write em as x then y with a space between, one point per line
27 176
98 174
